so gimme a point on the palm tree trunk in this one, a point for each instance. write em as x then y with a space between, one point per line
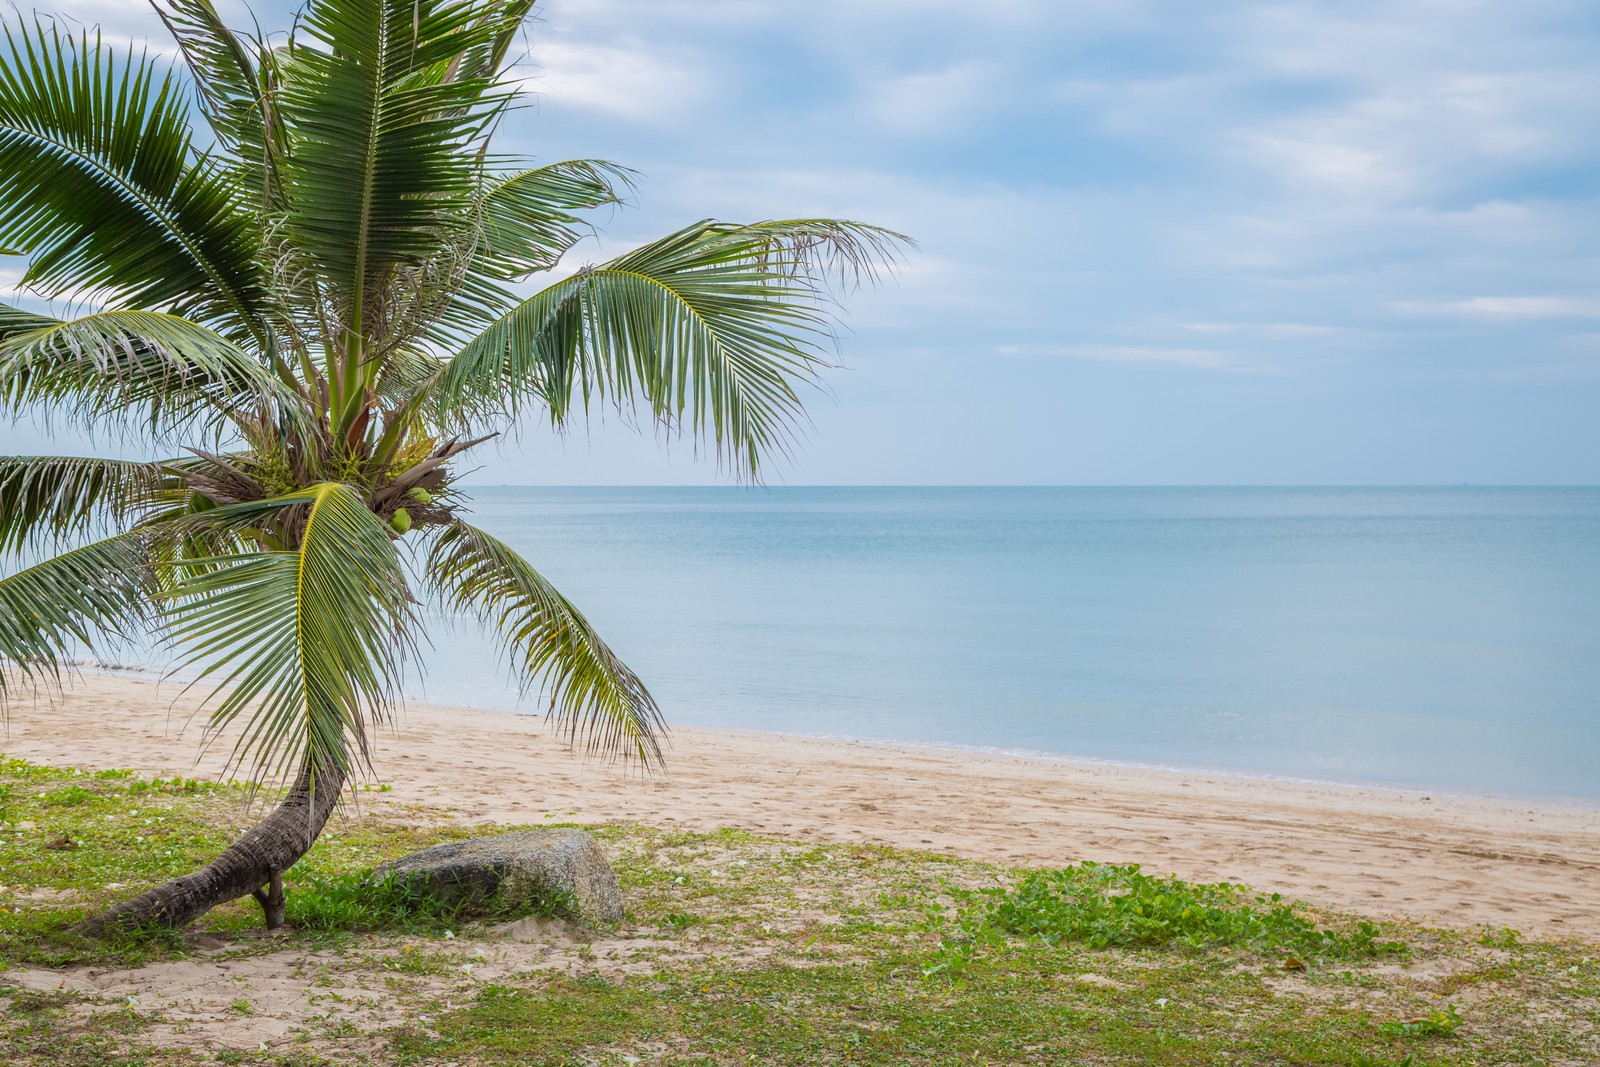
252 865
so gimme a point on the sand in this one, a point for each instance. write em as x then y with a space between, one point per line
1463 861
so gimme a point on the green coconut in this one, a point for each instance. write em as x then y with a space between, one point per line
401 521
420 495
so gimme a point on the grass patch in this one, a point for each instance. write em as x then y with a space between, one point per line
1106 906
52 1028
1024 1008
1440 1022
73 843
363 901
359 901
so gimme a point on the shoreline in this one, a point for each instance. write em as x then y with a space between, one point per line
1553 800
1073 760
1462 860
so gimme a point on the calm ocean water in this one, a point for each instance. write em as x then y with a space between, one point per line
1441 638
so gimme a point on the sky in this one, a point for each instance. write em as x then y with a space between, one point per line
1159 243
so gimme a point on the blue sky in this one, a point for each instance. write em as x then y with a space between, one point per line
1161 242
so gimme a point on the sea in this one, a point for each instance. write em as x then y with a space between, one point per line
1428 638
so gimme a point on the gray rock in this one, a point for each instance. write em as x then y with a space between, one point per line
553 871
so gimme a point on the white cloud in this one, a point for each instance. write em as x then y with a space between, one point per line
1281 331
1329 164
1197 358
633 83
1505 307
11 283
1413 138
1415 99
931 102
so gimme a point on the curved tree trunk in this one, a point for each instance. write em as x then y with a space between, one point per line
252 865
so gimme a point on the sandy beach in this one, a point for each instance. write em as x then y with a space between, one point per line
1462 861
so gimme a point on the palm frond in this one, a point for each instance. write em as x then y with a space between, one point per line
713 328
307 645
72 603
528 220
549 643
116 366
381 180
101 186
487 58
61 497
405 372
232 74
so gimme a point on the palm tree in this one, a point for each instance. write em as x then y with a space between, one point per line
310 309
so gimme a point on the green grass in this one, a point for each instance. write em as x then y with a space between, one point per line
356 902
72 843
1104 906
52 1029
742 949
362 901
1440 1022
